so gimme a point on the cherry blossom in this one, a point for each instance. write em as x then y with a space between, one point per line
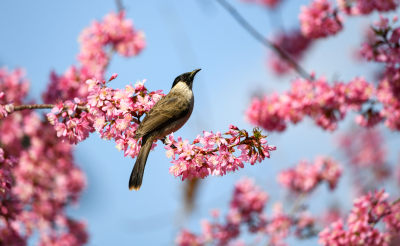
213 154
294 44
268 3
320 20
39 178
116 114
247 208
363 7
114 31
325 104
98 42
367 212
365 152
306 176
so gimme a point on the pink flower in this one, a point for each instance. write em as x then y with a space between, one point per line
366 153
268 3
6 179
319 20
381 42
246 207
3 112
325 104
113 76
38 176
248 198
294 44
364 148
388 94
215 155
357 92
113 33
13 86
367 211
362 7
186 238
305 177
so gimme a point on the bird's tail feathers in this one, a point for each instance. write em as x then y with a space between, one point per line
136 178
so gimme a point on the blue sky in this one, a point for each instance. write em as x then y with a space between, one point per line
181 35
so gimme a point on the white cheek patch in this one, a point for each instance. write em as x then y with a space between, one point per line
183 89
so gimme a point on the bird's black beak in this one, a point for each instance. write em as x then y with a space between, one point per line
193 73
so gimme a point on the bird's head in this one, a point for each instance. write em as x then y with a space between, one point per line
186 78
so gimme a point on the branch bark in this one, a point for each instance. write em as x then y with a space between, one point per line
260 38
120 6
39 106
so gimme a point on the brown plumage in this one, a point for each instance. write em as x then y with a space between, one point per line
167 116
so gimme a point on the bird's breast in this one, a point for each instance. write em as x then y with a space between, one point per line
177 124
183 90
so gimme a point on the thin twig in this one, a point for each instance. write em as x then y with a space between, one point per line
259 37
41 106
120 6
33 106
396 201
297 203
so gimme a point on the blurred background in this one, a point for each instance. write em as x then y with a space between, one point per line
41 36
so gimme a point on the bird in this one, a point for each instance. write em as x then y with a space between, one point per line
168 115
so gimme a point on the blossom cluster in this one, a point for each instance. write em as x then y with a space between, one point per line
98 42
213 153
71 121
114 113
39 178
268 3
114 31
389 95
320 20
363 7
373 220
382 45
294 44
306 176
47 180
366 153
6 183
67 86
363 147
325 104
382 42
362 223
246 208
13 87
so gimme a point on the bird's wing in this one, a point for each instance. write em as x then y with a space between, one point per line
165 111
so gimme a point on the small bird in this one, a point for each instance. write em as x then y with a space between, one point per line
167 116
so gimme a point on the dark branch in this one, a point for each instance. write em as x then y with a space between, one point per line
259 37
33 106
40 106
120 6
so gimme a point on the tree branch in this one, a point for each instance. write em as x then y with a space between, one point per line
260 38
32 106
39 106
120 6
